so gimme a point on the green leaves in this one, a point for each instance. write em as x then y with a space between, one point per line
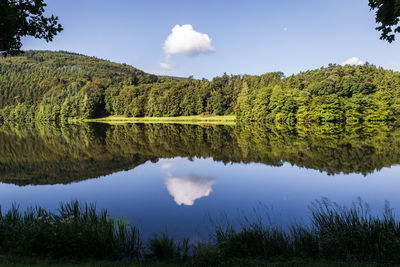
388 16
19 18
333 94
60 86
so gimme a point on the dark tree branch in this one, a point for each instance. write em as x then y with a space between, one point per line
388 16
20 18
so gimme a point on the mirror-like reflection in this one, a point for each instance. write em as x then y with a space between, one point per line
45 154
175 177
187 189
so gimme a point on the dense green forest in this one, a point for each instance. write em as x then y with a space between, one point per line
59 86
46 154
337 93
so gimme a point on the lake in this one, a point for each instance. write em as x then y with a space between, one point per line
185 179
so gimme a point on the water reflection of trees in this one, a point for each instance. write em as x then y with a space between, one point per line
48 154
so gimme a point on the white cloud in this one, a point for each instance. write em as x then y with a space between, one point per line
285 29
353 61
184 40
185 190
165 66
168 167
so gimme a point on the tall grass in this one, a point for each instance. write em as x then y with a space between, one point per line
165 248
76 231
335 233
79 231
353 233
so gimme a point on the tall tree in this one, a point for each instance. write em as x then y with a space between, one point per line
20 18
388 16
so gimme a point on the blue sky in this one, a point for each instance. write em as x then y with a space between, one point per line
249 37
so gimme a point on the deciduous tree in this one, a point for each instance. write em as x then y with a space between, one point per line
20 18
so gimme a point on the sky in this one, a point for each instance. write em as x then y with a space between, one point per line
210 37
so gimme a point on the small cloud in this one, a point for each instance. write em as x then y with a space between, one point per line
168 167
184 40
353 61
185 190
165 66
285 29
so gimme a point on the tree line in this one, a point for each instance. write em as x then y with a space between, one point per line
350 94
60 86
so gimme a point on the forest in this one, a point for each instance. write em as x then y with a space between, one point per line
60 86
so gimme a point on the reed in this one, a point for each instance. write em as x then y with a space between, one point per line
335 233
76 231
79 231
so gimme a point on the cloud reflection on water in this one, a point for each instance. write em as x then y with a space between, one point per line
186 189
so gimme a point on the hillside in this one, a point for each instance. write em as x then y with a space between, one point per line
56 86
40 82
350 94
59 86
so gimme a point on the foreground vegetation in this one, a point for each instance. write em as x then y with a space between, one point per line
60 86
9 260
79 232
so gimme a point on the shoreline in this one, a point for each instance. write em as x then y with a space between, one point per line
196 120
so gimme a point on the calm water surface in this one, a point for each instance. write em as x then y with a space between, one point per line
181 179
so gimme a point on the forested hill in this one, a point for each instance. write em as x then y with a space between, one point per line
336 93
41 83
58 86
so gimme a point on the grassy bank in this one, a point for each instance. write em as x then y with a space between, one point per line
198 119
79 234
